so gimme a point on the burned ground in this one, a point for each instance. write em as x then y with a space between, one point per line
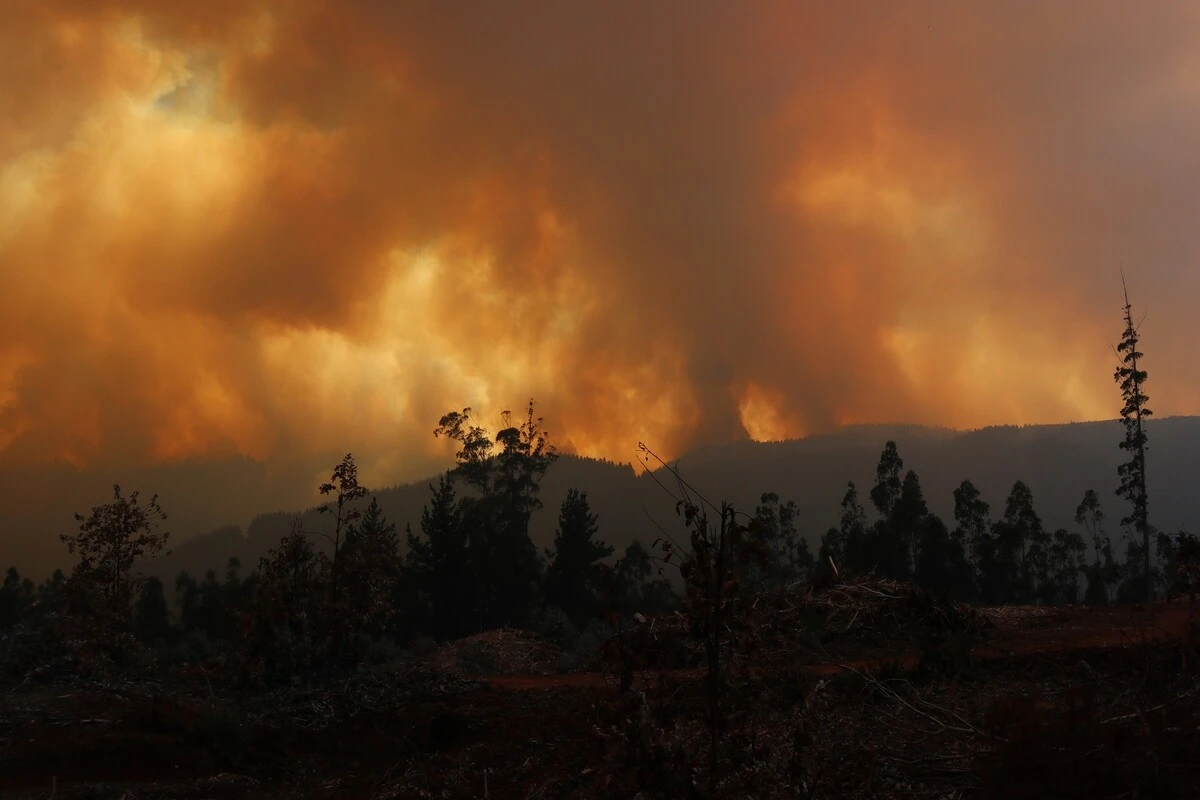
857 690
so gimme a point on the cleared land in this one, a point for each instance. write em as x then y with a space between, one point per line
862 690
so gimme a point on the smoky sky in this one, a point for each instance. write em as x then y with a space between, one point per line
271 229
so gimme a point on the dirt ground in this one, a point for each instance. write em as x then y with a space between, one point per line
414 731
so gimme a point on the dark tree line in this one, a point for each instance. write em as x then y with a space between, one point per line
472 566
1011 558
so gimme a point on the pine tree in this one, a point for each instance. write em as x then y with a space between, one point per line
372 566
1134 414
439 565
572 580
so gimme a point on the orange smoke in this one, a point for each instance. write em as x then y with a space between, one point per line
277 228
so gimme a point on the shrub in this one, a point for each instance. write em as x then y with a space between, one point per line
555 627
477 659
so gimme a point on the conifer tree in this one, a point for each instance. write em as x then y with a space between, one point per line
572 580
439 565
1131 377
372 568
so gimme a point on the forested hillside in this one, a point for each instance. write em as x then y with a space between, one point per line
1058 462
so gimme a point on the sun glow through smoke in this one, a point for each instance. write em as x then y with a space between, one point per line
268 229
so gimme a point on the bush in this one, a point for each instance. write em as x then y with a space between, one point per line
476 659
555 627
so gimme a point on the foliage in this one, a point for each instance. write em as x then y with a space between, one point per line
504 567
786 557
1131 377
287 623
343 484
373 566
110 541
439 566
573 579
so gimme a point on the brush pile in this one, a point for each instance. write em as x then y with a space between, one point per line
506 651
802 624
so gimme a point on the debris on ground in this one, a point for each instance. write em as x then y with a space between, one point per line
507 651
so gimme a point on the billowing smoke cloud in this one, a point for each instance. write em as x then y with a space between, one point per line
274 228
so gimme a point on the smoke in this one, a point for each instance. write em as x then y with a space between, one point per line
271 229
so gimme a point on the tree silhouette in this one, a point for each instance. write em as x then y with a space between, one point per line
572 580
1019 541
786 553
846 545
439 565
1103 572
288 617
505 566
638 587
941 564
971 513
903 528
888 483
343 484
1134 413
371 566
110 541
1067 563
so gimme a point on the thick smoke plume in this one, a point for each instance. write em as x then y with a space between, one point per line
267 229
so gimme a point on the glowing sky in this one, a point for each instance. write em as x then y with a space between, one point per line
274 228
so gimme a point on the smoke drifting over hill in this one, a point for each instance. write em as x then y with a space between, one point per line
271 229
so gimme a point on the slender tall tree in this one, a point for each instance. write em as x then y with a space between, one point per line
888 481
343 484
1131 377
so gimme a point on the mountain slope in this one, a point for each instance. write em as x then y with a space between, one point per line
1059 462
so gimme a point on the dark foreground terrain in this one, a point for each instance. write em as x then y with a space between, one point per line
860 690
